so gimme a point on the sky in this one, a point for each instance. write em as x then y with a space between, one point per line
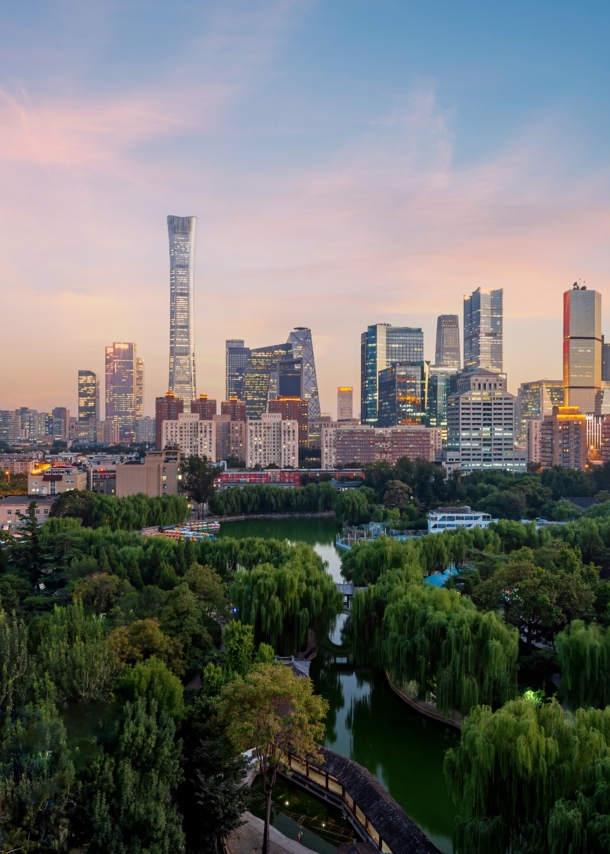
349 162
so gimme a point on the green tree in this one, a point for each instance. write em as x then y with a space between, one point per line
210 590
144 638
397 494
239 642
99 592
198 475
153 680
275 712
584 656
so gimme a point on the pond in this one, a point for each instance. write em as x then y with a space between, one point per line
367 722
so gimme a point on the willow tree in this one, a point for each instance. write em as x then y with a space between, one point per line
365 562
584 656
512 769
439 640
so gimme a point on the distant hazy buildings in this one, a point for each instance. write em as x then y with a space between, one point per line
121 388
302 347
88 396
480 420
61 423
483 330
236 356
448 342
204 407
235 408
345 403
146 431
535 400
182 380
381 346
582 349
272 441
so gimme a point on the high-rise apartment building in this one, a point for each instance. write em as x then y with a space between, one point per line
88 396
383 345
61 423
272 441
302 348
293 409
345 403
204 407
483 330
402 394
448 342
535 400
121 388
480 422
146 430
359 444
563 438
194 437
139 388
167 408
182 379
235 408
582 349
261 377
236 356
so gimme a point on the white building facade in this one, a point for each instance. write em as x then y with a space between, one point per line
451 518
272 441
194 438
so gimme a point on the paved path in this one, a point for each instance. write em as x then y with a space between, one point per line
249 839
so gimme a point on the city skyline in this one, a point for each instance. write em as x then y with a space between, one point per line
333 201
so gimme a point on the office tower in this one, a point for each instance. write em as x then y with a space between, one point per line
481 423
345 403
483 330
61 423
121 389
383 345
261 377
139 388
192 436
293 409
167 408
535 400
236 356
182 306
291 378
441 383
302 347
582 349
402 394
563 438
448 342
88 396
605 361
204 407
272 441
146 431
235 408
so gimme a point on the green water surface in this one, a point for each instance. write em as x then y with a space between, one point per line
367 722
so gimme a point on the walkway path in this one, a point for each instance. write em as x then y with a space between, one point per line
249 839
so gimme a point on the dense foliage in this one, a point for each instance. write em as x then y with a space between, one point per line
120 514
263 498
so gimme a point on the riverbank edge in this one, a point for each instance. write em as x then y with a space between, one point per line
429 713
322 514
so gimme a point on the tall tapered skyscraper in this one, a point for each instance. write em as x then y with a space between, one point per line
182 380
483 330
448 341
582 349
121 388
302 347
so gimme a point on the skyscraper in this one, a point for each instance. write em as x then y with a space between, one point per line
345 403
261 377
383 345
236 356
483 330
291 379
121 388
182 306
402 394
605 361
302 347
139 388
88 396
534 401
448 342
582 349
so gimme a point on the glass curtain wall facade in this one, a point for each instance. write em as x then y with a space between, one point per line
582 349
302 347
483 330
402 394
383 345
345 403
448 341
236 356
121 391
88 396
441 383
291 378
534 401
261 377
182 381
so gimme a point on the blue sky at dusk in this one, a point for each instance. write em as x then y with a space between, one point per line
349 162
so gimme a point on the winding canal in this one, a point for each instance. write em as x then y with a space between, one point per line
366 721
